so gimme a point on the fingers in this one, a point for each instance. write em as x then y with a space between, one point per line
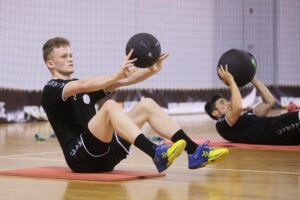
221 69
127 61
163 56
226 68
127 66
220 73
129 54
131 61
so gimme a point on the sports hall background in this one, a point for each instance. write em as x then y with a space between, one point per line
195 33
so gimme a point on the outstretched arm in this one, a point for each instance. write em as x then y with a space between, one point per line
92 84
140 74
264 107
235 109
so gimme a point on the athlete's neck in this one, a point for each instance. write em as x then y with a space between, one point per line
61 76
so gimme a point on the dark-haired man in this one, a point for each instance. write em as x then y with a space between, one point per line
253 127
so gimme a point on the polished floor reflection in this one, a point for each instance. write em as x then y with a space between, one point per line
244 174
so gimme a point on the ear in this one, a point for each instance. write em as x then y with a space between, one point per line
49 64
215 113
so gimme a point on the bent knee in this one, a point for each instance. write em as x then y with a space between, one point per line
110 104
148 103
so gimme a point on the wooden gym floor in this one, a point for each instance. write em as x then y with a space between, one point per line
244 174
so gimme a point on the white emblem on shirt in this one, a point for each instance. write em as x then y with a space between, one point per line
86 99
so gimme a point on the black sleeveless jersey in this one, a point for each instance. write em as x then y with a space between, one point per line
253 129
68 117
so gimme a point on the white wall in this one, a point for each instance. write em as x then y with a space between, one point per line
99 31
194 32
288 37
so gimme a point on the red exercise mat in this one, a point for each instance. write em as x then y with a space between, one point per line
66 173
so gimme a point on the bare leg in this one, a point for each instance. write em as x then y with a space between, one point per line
147 110
111 118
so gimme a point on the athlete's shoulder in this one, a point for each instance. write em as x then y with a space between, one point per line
221 119
56 83
222 124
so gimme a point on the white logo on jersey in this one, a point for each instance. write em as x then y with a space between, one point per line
150 54
86 99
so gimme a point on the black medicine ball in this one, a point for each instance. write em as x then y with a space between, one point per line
241 64
146 49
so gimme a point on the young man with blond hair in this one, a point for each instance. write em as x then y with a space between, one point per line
97 141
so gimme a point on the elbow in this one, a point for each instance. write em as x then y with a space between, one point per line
273 102
238 110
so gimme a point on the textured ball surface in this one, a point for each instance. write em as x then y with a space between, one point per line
146 49
241 64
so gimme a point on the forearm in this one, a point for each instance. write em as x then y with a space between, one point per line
264 107
138 76
98 83
264 92
235 109
89 84
236 98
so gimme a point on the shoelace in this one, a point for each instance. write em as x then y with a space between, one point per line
205 147
206 144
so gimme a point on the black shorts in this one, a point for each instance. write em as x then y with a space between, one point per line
88 154
287 128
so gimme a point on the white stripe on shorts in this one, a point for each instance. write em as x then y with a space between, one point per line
95 156
120 142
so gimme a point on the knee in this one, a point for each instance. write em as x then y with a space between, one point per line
148 104
110 105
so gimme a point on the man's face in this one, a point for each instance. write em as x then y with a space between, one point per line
221 106
61 61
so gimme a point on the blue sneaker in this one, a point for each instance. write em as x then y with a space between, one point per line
166 154
204 155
